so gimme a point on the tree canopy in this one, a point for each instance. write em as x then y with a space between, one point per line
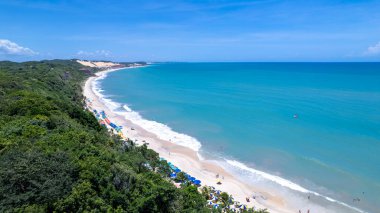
54 156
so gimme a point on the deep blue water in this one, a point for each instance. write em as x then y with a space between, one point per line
245 112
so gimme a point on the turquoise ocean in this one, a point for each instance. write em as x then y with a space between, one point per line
304 129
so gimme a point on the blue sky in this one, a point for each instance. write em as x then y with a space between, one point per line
190 30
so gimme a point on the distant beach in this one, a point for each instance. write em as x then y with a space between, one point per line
183 151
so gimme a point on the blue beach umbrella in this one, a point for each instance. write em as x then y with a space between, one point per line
176 170
197 182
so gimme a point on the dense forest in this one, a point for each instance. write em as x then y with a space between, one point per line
55 157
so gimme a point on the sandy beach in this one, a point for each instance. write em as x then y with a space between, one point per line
188 160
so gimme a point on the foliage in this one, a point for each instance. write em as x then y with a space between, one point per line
55 157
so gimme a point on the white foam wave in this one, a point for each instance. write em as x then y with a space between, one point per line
162 131
277 179
286 183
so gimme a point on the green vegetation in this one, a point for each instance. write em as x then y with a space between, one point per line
55 157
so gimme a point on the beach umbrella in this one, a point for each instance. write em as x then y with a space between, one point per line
218 181
191 178
197 182
176 170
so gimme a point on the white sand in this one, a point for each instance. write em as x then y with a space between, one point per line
188 160
97 64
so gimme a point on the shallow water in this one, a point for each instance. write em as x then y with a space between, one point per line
316 125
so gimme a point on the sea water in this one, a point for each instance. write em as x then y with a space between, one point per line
308 129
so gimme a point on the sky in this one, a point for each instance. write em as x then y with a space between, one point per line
191 30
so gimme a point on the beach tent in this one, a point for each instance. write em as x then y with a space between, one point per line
176 170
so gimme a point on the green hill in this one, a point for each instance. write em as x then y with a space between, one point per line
54 156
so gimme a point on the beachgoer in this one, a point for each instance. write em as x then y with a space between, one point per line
247 199
217 175
308 197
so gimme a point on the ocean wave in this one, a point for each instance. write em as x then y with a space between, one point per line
162 131
285 183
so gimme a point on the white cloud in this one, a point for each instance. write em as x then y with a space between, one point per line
373 50
97 53
10 48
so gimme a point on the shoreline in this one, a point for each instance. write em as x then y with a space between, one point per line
190 161
183 157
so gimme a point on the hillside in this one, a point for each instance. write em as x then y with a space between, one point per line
54 156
